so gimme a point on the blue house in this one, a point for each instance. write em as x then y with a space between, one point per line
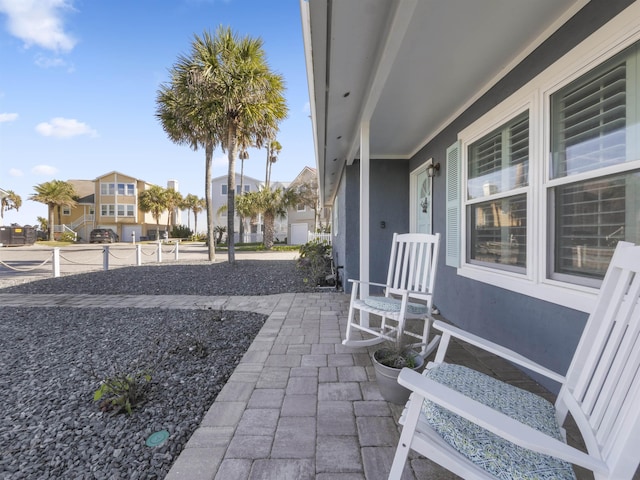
512 127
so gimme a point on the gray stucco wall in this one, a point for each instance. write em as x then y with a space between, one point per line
390 177
545 332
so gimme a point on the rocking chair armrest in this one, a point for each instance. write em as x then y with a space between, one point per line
495 421
491 347
362 282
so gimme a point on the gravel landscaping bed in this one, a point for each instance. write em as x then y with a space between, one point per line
246 277
51 361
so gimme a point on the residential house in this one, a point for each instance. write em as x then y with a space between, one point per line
109 201
253 227
510 127
303 218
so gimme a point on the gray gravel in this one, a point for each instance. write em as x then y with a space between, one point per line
246 277
51 360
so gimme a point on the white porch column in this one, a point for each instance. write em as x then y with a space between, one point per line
364 216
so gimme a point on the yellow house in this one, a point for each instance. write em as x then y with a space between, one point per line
109 201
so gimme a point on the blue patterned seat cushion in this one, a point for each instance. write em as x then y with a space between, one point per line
490 452
389 304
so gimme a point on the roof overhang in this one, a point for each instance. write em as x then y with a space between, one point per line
408 68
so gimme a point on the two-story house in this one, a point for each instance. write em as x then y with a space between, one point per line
253 227
109 201
304 217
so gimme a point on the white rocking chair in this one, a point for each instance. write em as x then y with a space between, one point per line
408 294
480 428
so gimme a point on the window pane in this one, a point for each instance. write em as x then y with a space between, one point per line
499 162
223 190
591 217
499 231
121 189
589 120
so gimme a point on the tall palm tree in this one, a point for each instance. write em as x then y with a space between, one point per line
154 201
12 201
173 201
244 96
184 110
193 203
55 194
273 150
271 204
244 155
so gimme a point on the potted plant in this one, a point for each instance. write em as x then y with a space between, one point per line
387 363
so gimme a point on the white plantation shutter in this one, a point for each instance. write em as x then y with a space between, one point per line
453 193
591 117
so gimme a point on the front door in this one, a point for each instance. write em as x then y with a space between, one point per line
423 220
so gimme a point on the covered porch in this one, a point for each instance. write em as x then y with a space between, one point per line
300 405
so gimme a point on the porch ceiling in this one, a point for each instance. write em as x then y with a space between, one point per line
409 67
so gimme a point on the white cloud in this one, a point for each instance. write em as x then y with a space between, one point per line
8 117
49 62
15 172
307 107
39 22
64 128
45 170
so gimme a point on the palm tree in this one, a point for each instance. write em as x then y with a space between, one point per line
273 149
271 204
56 193
154 201
184 110
245 97
244 155
195 204
173 201
10 202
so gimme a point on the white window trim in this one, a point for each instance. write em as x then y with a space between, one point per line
612 38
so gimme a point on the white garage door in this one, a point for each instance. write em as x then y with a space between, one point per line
128 229
298 233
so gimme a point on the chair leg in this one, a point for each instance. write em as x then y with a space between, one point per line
408 430
351 317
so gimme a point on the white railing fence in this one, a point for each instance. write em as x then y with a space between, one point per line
319 237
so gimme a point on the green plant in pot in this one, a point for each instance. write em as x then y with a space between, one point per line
387 362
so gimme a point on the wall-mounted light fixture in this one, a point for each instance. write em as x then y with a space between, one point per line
432 169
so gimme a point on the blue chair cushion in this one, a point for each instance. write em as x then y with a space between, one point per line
492 453
389 304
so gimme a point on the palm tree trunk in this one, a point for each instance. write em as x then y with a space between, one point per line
232 148
241 229
211 241
266 173
269 230
51 224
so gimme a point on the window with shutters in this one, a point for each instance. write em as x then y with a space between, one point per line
497 180
594 188
550 178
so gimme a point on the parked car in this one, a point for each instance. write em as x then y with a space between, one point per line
102 235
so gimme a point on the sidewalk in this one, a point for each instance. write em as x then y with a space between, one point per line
299 405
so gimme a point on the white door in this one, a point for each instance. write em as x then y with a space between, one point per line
298 233
424 210
127 230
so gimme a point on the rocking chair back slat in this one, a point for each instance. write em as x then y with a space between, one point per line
412 266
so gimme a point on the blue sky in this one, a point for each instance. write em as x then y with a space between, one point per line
78 84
